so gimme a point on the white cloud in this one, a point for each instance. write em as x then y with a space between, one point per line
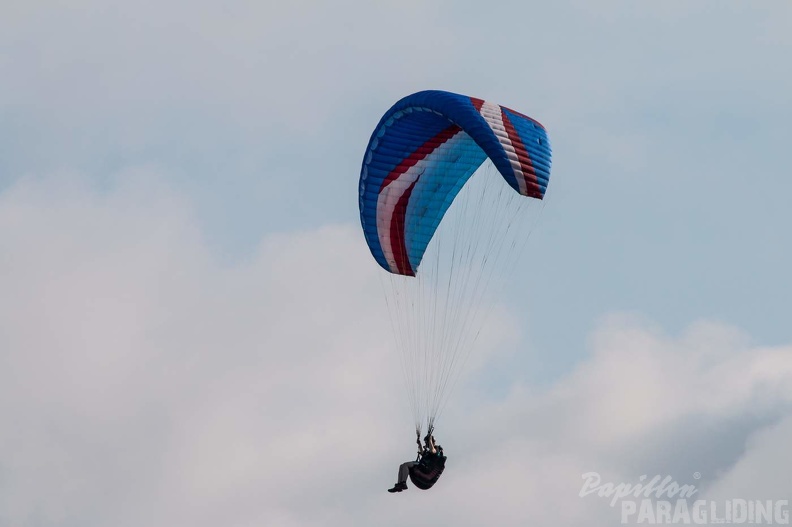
144 383
128 351
251 66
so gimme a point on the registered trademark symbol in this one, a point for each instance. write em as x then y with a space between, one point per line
697 475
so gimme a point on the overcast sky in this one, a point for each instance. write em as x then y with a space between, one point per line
192 330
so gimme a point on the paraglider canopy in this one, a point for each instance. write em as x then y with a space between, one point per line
420 155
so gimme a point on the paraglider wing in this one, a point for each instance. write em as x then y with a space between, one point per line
420 201
421 154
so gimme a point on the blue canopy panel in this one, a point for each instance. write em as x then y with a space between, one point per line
421 154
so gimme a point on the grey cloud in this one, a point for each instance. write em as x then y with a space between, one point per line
145 382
